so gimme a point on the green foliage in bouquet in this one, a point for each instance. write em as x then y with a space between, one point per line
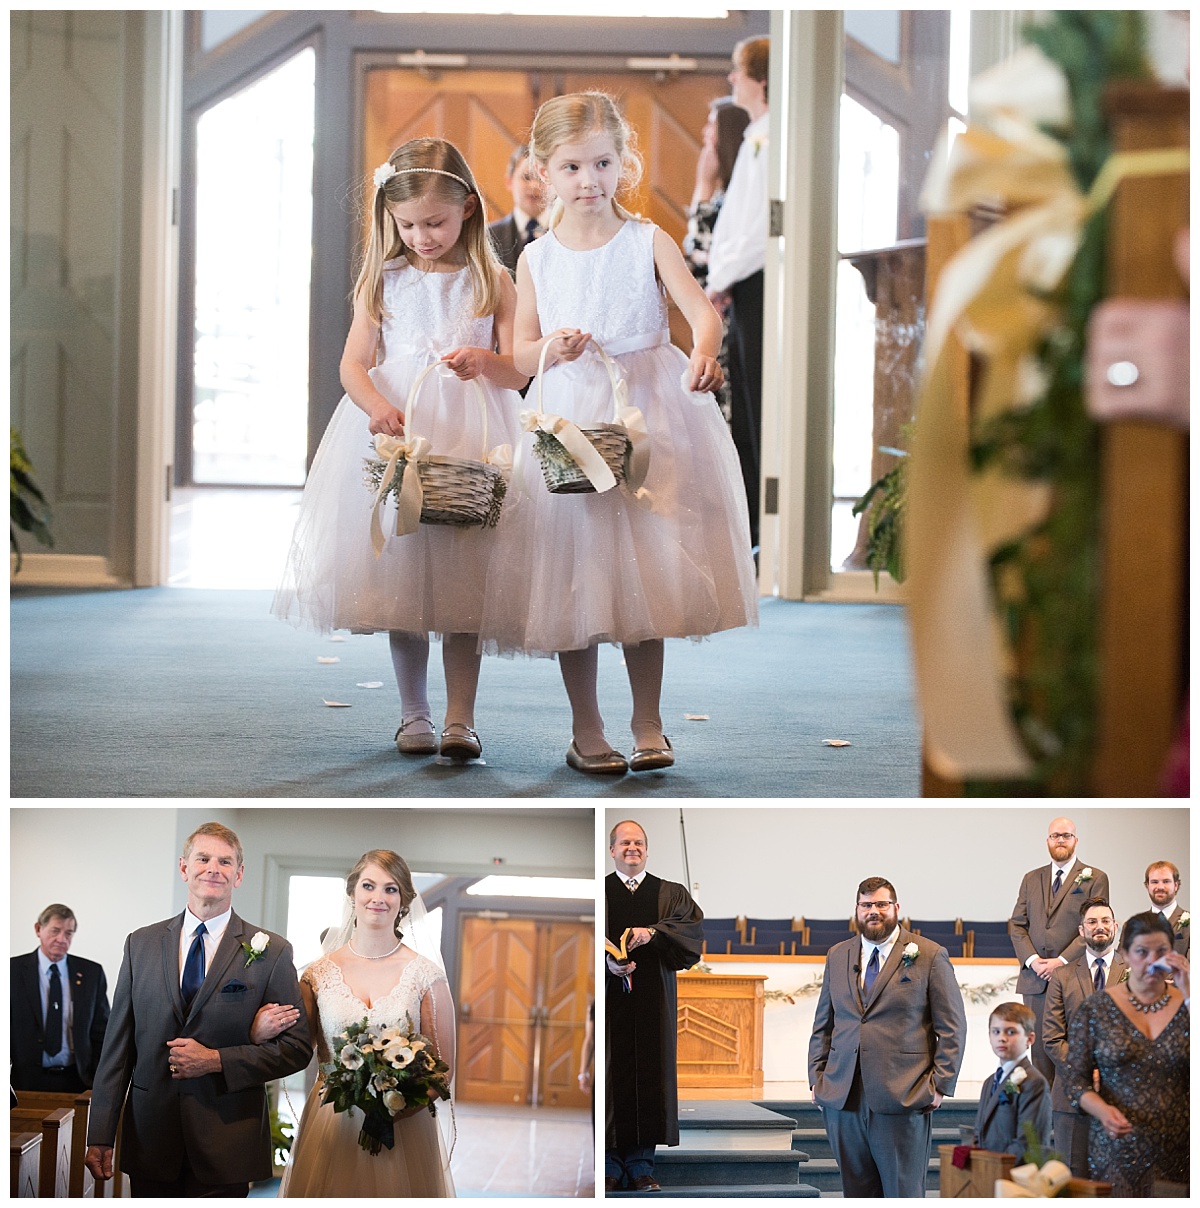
883 501
28 509
1046 581
381 1072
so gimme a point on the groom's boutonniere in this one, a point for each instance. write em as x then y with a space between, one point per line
1083 877
909 955
256 947
1012 1087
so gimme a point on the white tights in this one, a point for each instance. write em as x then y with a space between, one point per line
644 664
460 661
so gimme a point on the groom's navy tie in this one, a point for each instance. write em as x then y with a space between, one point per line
193 969
872 972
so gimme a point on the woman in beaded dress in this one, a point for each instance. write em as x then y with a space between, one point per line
371 972
1135 1034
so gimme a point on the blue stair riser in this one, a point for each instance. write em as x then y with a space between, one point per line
765 1191
723 1168
951 1114
815 1142
823 1173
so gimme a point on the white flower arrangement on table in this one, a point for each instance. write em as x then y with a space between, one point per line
257 946
1083 877
1012 1086
382 1072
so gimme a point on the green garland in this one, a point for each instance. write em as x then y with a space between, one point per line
1046 581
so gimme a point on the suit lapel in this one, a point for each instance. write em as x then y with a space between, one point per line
171 970
889 966
1054 901
230 946
991 1099
32 991
853 960
1086 986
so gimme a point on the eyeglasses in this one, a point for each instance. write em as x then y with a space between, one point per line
875 905
1065 835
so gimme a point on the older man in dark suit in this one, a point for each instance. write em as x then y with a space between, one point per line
886 1047
179 1070
1044 926
1101 964
58 1010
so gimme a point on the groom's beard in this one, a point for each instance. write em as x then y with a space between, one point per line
877 931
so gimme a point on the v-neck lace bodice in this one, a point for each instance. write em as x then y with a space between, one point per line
338 1006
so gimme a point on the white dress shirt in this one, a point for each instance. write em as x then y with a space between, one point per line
64 1056
641 876
739 239
214 930
885 950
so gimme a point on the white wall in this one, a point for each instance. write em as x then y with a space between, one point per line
958 860
118 868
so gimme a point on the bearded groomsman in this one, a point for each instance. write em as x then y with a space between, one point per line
886 1047
1162 884
1100 965
1044 927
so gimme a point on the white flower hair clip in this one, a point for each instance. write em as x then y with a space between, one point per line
384 173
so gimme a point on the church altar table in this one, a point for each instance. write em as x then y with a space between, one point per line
786 1026
720 1029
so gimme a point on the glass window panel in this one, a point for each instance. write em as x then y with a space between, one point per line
254 161
216 25
960 58
878 30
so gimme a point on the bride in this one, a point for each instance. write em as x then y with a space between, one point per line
370 970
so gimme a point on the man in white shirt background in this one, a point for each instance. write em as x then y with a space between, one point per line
736 260
1162 884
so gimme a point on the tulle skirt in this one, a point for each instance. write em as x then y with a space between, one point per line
327 1159
571 570
430 581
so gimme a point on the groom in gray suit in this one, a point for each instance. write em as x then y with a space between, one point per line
1044 927
886 1048
178 1041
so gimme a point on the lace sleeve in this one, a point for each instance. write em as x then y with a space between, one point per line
437 1018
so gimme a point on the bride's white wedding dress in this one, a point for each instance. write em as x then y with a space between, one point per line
327 1159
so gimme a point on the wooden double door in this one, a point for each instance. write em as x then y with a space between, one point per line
523 1004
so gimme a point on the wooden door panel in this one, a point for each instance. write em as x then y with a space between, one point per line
568 948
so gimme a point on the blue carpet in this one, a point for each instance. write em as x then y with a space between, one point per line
171 692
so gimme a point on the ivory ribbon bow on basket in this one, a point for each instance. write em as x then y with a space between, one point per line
577 444
996 294
414 450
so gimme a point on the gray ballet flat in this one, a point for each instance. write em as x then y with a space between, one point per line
459 741
646 759
611 763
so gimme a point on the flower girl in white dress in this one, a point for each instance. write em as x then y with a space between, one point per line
371 972
672 558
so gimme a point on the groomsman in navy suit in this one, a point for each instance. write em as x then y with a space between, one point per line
1044 927
58 1010
886 1047
1162 884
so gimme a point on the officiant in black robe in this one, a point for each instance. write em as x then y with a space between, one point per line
665 936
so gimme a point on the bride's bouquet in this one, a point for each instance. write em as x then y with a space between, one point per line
381 1072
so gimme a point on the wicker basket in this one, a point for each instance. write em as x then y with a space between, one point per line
560 470
455 490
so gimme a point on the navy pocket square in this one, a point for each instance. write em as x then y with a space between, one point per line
233 987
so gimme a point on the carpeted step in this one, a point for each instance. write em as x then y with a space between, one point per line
732 1124
814 1142
952 1113
751 1191
823 1174
726 1167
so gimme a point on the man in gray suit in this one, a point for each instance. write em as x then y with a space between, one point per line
1099 965
1044 927
1162 884
178 1042
886 1048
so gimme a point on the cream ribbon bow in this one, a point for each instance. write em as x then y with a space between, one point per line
573 440
412 496
637 464
502 458
992 294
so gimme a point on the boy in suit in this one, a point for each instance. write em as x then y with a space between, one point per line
1017 1093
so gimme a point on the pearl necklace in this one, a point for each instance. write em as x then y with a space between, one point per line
380 957
1149 1008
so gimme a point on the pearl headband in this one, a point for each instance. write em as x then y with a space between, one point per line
386 171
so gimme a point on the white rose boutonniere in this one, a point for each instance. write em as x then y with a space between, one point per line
1013 1085
1184 920
911 951
258 944
1083 877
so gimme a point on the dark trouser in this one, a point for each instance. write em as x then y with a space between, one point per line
745 384
879 1155
1071 1140
1037 1054
186 1185
629 1163
59 1080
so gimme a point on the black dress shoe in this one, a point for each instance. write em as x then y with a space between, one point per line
646 1182
611 1183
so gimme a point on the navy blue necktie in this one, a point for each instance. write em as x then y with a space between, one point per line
872 972
1098 980
193 969
531 230
53 1032
1058 881
997 1079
